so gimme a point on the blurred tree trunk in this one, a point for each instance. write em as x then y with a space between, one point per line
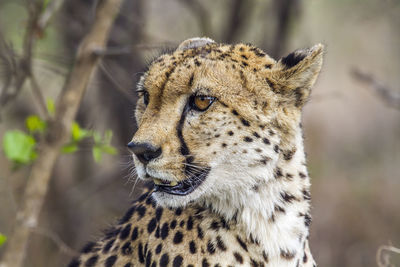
287 13
58 133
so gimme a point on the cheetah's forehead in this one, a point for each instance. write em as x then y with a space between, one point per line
214 66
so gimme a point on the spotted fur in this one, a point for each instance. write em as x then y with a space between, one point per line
250 204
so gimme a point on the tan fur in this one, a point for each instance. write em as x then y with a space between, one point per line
250 138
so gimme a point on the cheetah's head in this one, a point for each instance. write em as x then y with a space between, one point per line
212 117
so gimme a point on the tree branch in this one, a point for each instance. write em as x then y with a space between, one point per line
58 133
388 95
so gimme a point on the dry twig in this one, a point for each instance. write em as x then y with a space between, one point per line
58 133
383 260
388 95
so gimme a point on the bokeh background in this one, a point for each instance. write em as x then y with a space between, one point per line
352 134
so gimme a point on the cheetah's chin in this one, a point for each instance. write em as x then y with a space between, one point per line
182 188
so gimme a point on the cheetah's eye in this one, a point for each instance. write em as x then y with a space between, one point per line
201 102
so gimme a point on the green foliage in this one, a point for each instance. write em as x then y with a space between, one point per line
19 147
3 239
101 144
51 108
35 124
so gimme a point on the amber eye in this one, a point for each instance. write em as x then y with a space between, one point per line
201 102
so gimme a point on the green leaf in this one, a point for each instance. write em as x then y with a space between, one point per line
3 239
35 124
97 138
78 133
96 151
107 137
51 108
109 149
19 147
69 148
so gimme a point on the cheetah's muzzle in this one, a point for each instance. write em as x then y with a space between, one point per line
183 188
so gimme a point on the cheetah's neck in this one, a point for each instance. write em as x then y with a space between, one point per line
275 212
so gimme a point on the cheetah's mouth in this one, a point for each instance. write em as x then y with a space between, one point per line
182 188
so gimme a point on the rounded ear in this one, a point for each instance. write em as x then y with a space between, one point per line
296 73
194 43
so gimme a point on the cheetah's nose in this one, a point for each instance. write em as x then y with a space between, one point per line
145 152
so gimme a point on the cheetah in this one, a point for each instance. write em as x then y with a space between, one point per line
220 141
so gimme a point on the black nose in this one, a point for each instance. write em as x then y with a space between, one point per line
144 151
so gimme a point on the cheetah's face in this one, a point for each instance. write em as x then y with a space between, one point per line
206 120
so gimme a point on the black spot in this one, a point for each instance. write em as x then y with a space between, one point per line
192 247
158 249
288 155
125 232
173 224
91 261
256 134
266 141
182 223
164 231
200 233
230 133
245 122
267 66
189 225
177 261
178 237
148 259
142 197
178 211
88 248
278 172
214 225
210 247
221 244
159 212
241 243
164 260
305 258
127 216
205 263
238 257
307 220
141 211
128 265
223 145
287 197
265 256
287 254
108 246
191 80
152 225
134 234
74 263
140 253
302 175
293 58
276 148
126 249
279 209
110 261
234 112
248 139
306 195
253 263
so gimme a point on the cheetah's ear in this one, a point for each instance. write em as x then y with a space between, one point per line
194 43
297 72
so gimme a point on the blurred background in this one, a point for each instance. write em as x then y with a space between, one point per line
352 133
